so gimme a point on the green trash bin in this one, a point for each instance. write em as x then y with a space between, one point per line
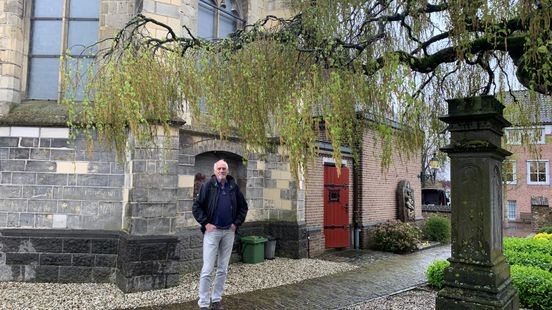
253 249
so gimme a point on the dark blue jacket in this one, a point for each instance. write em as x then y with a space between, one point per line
205 203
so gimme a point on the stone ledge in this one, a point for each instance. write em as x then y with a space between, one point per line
135 263
436 208
36 113
46 113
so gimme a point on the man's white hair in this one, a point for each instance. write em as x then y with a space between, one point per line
223 161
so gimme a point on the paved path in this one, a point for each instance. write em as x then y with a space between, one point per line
371 280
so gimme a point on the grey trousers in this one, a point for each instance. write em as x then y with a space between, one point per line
216 244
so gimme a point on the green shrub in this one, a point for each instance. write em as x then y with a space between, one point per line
397 237
534 259
528 245
543 235
435 273
437 228
547 229
534 286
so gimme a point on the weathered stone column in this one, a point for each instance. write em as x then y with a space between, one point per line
479 277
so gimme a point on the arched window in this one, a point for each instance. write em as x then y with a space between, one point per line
218 18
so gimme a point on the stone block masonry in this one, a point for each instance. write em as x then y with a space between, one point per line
11 53
291 238
48 181
153 194
134 263
147 263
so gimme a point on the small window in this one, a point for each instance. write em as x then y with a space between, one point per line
509 174
537 172
217 19
512 209
516 136
513 136
334 195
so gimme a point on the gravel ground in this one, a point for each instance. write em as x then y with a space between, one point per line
270 273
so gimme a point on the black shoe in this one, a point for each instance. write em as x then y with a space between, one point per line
217 306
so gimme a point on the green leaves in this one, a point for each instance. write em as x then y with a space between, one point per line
127 98
435 273
351 64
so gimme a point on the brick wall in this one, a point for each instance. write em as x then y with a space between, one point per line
379 202
316 242
378 189
314 188
541 213
314 206
521 192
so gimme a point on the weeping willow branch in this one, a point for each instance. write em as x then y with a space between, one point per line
336 61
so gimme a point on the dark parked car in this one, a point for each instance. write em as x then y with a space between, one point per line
435 196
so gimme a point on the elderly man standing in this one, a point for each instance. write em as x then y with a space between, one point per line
220 208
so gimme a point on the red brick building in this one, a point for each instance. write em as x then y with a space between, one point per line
527 170
371 196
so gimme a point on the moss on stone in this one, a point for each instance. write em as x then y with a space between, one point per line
36 113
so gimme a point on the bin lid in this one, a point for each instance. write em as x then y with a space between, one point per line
253 239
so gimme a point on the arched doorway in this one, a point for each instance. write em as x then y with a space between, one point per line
204 164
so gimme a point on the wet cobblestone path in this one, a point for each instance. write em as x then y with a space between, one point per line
375 277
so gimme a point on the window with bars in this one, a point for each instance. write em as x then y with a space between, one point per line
61 28
218 18
512 209
537 172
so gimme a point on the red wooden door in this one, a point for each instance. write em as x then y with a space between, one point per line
336 207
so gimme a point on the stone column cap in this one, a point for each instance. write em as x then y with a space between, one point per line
475 109
475 147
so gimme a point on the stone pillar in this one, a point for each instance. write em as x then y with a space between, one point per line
479 277
11 53
153 194
148 256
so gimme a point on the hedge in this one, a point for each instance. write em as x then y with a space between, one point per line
534 286
528 245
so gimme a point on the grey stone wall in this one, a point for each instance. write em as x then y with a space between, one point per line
147 262
291 238
154 188
47 182
51 256
190 247
114 14
11 53
134 263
